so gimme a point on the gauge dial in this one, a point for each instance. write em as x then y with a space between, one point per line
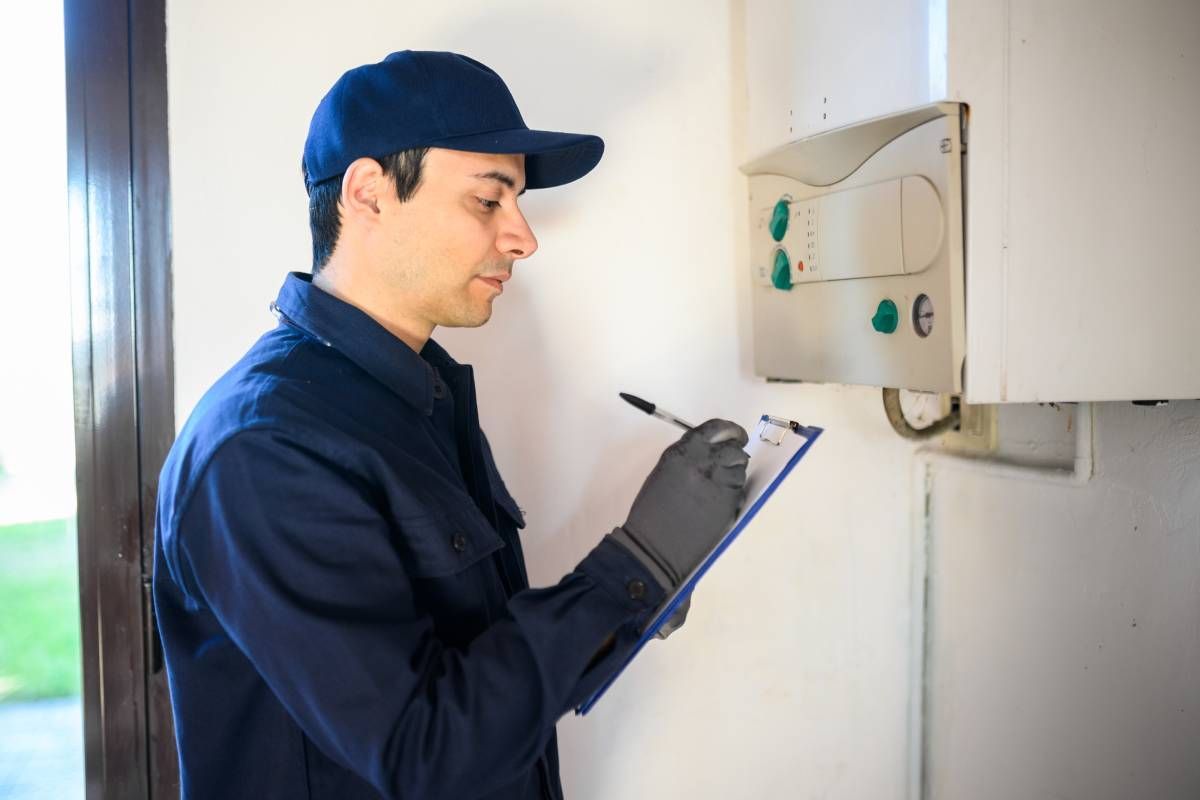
923 315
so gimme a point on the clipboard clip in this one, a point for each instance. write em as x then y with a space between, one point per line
772 430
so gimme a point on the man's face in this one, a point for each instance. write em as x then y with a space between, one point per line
448 249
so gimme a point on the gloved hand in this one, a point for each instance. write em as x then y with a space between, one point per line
676 620
687 503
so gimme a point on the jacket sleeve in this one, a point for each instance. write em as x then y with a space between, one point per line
294 559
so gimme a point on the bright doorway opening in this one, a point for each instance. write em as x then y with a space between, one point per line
41 727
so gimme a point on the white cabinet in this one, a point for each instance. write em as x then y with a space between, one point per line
1067 267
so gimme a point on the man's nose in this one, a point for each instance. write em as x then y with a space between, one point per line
517 239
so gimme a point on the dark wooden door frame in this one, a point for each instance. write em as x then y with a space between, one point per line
118 196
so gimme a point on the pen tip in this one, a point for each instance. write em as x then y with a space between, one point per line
638 402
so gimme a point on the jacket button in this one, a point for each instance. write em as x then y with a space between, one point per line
459 543
637 589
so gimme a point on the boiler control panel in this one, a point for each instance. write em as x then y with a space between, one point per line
856 248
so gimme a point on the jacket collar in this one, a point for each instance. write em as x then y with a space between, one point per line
335 323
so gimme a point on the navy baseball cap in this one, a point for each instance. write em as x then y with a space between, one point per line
429 99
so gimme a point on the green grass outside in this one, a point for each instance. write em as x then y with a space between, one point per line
39 611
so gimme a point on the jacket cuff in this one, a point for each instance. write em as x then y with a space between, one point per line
622 576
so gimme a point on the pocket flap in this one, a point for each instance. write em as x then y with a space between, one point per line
440 545
506 503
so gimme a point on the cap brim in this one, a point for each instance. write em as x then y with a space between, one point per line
552 158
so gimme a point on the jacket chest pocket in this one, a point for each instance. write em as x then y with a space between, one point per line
453 574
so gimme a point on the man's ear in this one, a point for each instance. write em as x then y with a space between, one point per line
362 186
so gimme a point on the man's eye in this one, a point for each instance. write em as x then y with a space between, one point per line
488 204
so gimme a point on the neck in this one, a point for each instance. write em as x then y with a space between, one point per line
360 291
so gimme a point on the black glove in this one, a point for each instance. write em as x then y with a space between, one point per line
687 503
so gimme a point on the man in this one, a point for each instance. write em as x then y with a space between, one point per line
339 583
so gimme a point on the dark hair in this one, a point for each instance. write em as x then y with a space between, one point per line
403 167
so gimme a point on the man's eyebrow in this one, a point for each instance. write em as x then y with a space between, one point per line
502 177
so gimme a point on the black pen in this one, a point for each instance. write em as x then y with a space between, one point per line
654 410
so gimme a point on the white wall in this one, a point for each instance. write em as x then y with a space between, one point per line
791 678
816 66
1064 622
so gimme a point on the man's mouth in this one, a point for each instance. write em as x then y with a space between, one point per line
497 281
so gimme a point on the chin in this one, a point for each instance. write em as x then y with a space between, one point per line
470 318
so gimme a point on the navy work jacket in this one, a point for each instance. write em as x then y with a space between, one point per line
340 589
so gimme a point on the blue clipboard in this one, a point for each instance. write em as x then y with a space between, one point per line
775 447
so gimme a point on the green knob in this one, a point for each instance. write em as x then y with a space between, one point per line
886 317
779 220
781 275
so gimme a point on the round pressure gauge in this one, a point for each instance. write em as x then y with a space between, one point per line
922 315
